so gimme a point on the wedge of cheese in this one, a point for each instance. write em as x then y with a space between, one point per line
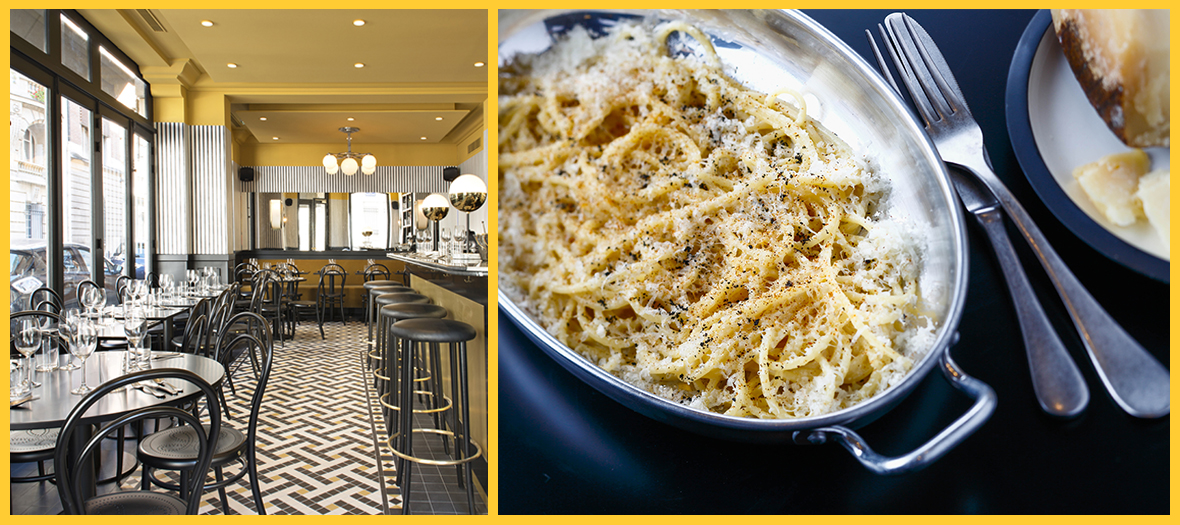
1111 184
1154 191
1121 59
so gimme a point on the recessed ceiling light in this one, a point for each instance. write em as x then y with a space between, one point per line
231 65
358 23
261 118
350 119
423 138
437 118
358 65
207 23
479 64
274 138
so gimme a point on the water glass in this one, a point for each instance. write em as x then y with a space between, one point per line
16 372
47 359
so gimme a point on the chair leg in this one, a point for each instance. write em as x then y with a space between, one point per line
221 491
252 464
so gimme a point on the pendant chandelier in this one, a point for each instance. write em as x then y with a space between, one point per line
349 161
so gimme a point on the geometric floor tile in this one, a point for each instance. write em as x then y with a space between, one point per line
316 449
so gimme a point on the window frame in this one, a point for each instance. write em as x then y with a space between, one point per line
47 69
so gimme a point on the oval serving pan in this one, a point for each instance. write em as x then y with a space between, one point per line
766 50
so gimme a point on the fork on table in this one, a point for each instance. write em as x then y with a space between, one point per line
1136 381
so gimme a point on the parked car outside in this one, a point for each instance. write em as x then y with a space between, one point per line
27 269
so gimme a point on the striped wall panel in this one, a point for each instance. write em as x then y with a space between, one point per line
211 189
313 179
172 188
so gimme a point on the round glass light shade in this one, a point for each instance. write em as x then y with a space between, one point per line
368 171
330 162
435 207
349 166
369 162
468 193
333 169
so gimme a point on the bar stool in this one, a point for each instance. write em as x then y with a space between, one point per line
394 313
369 286
408 335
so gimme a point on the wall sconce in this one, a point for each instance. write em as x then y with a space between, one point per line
276 214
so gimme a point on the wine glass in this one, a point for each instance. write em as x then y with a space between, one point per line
92 299
134 326
139 290
28 339
87 340
69 333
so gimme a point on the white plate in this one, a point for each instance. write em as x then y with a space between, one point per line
1066 132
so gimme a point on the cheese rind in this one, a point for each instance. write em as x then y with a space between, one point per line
1121 59
1111 183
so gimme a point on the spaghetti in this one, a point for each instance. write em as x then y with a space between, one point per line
705 242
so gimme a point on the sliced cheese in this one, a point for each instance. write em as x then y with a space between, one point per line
1154 191
1111 183
1121 59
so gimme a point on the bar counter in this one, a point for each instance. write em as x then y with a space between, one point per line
463 291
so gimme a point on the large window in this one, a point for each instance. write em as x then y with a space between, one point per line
114 192
77 182
75 47
28 185
29 24
80 144
141 203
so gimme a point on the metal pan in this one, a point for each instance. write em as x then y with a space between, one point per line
766 50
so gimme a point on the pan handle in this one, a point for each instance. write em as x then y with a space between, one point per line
967 424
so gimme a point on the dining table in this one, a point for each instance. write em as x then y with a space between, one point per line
566 448
54 401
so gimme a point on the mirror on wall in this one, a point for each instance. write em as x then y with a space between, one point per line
325 221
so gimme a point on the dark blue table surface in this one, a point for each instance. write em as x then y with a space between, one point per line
566 448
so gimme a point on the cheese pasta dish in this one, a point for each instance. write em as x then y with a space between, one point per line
707 243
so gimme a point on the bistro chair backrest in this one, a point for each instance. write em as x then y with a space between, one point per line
69 486
43 294
152 280
121 285
332 279
257 344
44 319
376 271
86 285
48 306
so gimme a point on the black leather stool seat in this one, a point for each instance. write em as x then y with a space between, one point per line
136 503
433 330
382 282
395 298
400 311
176 448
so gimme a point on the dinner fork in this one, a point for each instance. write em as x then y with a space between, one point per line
1134 378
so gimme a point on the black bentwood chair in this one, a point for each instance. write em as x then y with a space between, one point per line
139 501
44 294
173 448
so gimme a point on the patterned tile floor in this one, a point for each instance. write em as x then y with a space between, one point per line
317 453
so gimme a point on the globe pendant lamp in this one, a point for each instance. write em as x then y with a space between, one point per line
350 162
468 193
435 208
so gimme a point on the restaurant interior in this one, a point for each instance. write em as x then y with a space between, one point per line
270 222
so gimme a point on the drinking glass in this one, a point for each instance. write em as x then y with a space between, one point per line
135 327
87 340
15 373
48 359
69 333
92 299
27 339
